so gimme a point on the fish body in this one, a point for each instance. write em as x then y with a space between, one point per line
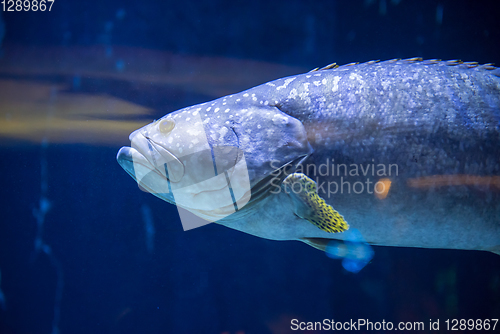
407 151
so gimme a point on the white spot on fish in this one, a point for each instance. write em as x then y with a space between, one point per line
187 119
317 83
238 100
293 94
216 109
335 87
305 96
223 131
208 109
279 119
323 81
355 76
286 83
196 111
308 76
254 98
227 110
306 86
245 95
271 84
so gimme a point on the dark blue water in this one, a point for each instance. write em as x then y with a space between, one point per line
94 262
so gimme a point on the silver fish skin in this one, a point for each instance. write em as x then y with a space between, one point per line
435 123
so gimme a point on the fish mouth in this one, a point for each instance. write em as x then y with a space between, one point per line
211 199
148 178
127 157
160 158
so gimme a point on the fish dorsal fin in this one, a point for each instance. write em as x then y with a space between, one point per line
310 206
466 65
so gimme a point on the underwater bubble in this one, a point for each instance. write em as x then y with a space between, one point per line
77 82
120 65
120 13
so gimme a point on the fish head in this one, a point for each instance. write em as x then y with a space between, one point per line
212 158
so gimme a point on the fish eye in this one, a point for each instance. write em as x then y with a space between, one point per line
166 125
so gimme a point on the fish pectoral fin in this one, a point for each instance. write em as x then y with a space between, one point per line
310 206
318 243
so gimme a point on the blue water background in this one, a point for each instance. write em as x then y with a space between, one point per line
213 279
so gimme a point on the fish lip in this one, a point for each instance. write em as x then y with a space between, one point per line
128 158
125 155
145 145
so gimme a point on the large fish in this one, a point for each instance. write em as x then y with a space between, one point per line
405 151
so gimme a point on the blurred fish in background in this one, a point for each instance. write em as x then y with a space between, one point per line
64 101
